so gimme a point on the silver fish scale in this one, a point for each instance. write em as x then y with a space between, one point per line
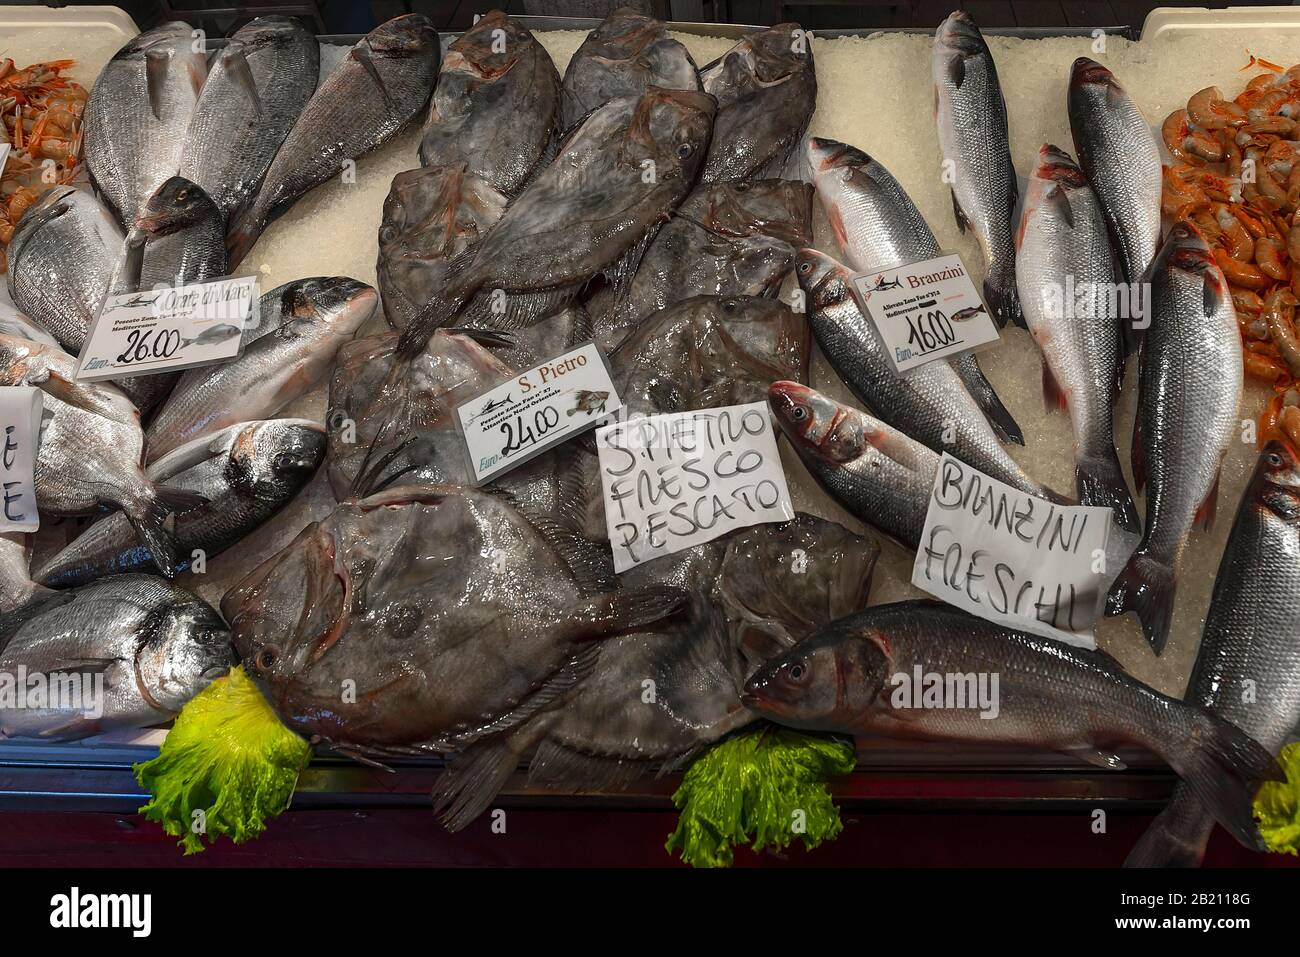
882 226
130 151
924 403
1119 154
230 143
973 136
1083 351
1191 383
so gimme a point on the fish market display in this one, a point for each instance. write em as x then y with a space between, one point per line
930 403
1248 668
726 239
1063 242
589 212
141 646
40 121
62 261
138 113
624 56
879 474
1118 154
766 88
382 84
972 119
495 106
1188 397
317 316
258 85
91 448
245 474
432 217
877 226
853 677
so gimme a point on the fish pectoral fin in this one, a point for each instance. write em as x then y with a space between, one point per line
1097 758
1054 397
156 64
957 69
362 56
1058 200
615 612
78 726
1206 511
962 221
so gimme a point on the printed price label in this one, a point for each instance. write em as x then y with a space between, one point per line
1011 557
563 397
20 418
673 481
176 327
925 310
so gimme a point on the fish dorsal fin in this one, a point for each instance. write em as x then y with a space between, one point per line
236 64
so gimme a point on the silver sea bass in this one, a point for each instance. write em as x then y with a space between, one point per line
972 120
138 112
1066 276
1189 394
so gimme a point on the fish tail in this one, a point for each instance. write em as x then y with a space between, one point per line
151 517
1224 767
1001 294
1145 586
1100 481
245 228
1178 835
986 397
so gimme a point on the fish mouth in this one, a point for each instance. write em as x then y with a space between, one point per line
826 154
1058 166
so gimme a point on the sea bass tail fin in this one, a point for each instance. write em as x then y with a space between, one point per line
1224 767
1002 296
986 397
151 517
1101 482
1145 586
1178 835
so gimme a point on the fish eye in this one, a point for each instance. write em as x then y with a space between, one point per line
799 413
267 657
797 671
685 150
1274 460
805 268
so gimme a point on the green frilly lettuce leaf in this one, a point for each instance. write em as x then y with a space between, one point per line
1277 805
764 788
226 766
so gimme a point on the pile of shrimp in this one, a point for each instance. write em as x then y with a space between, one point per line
41 112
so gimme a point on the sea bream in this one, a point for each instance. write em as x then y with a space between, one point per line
972 121
495 106
319 316
91 448
725 239
627 53
63 262
258 85
382 84
129 651
138 113
1189 397
245 474
865 675
877 473
1066 278
877 226
929 403
1118 153
1248 666
590 212
766 88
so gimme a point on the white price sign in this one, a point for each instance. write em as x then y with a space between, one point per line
21 407
925 310
175 327
550 403
1011 557
673 481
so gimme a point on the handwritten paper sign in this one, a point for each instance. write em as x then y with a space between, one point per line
925 310
673 481
20 420
174 327
4 156
508 425
1011 557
